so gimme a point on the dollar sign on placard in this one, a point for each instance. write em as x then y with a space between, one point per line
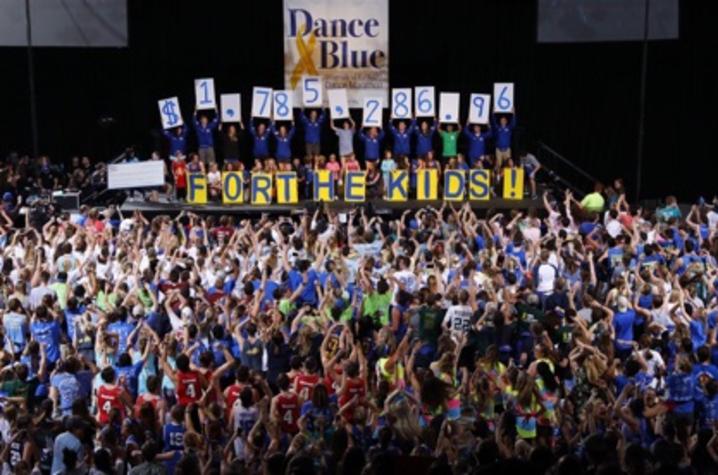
168 109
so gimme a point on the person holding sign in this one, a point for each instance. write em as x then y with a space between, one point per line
177 138
346 137
372 143
402 138
477 145
312 131
449 139
230 142
205 139
503 130
260 133
284 145
424 137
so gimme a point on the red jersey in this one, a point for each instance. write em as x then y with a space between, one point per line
304 385
143 398
179 169
189 387
231 394
108 398
354 387
287 409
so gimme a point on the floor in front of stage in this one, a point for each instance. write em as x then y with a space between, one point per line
165 206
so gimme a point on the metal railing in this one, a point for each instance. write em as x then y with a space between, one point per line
563 171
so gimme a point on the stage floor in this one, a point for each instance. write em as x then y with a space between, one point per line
373 206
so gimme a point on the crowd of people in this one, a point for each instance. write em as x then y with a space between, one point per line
420 143
437 341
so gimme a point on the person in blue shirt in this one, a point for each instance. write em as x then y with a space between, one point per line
283 139
372 143
260 133
15 324
205 138
623 320
177 138
46 331
477 145
64 385
681 390
402 138
503 130
312 131
424 132
306 277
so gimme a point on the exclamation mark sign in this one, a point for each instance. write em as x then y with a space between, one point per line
513 183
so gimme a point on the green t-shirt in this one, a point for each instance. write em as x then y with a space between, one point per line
430 319
376 302
449 140
61 290
593 202
15 388
286 306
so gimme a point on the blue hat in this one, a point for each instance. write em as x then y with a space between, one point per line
8 196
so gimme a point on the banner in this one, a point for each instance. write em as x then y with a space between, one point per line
345 43
283 188
135 175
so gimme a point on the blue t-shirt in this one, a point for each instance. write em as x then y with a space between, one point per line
47 333
623 323
68 387
123 330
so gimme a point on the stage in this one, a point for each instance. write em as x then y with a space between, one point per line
172 208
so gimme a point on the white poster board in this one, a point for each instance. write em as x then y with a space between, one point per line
424 101
338 104
504 97
231 107
135 175
372 113
170 112
262 102
401 103
449 107
204 94
282 102
312 91
479 108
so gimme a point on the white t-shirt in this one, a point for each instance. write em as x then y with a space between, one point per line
546 276
458 318
407 279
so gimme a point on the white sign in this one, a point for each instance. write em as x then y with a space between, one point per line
424 101
345 43
312 91
231 107
283 105
170 113
479 108
338 104
372 112
401 103
204 92
262 102
449 107
504 97
136 175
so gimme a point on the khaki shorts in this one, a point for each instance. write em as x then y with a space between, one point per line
502 155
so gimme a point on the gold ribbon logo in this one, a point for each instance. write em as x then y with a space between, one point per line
305 63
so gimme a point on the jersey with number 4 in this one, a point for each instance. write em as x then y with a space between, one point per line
287 407
189 388
304 385
108 398
458 318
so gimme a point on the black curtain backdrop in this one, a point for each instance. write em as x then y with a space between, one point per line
581 99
